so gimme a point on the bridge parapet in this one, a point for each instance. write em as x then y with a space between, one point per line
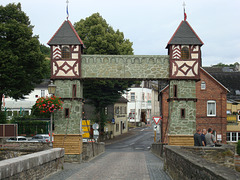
151 67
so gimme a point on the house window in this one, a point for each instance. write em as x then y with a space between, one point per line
132 96
233 136
228 136
117 110
183 113
117 127
211 108
174 90
66 112
185 52
42 93
65 52
74 91
203 85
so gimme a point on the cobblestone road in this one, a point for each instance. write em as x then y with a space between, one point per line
132 162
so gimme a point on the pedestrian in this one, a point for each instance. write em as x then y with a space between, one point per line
204 132
197 138
210 138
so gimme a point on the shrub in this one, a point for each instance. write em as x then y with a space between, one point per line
238 147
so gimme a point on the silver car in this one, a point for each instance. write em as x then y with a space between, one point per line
17 139
40 138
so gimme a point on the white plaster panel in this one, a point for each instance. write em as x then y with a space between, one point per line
74 55
194 55
196 48
76 48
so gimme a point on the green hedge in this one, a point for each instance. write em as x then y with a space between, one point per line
238 147
30 127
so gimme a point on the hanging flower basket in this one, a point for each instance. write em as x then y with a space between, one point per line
49 104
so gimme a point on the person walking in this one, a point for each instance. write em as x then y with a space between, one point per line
210 138
204 132
197 138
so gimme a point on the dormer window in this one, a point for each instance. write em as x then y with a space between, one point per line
185 52
65 52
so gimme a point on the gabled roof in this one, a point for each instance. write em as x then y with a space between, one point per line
215 79
185 35
231 80
65 35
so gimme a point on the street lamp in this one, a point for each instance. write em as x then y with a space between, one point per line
51 90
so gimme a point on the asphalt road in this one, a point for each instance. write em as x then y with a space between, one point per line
126 159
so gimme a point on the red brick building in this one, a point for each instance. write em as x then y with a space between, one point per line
210 107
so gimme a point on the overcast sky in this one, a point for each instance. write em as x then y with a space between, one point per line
149 24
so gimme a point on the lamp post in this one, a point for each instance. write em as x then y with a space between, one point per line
51 90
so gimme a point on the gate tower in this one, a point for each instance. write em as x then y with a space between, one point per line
184 50
66 49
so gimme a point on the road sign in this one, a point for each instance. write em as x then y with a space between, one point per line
95 126
157 119
155 127
96 133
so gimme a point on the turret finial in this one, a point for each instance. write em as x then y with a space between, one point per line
185 15
67 9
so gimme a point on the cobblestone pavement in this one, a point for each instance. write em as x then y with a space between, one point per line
121 164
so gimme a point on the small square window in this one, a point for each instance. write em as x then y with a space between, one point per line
183 113
66 112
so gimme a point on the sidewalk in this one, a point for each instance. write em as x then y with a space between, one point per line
121 137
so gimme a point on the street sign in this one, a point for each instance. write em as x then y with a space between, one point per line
155 127
157 119
95 126
96 133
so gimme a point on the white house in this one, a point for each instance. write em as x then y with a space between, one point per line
23 106
143 102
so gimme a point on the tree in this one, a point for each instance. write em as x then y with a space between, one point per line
100 38
22 65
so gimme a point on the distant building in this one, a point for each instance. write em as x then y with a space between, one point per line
24 106
116 115
143 102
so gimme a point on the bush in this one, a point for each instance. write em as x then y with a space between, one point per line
3 119
238 147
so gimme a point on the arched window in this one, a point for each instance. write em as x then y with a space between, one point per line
65 52
185 53
203 85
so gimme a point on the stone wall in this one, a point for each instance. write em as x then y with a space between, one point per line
125 66
158 149
182 164
32 166
92 149
223 155
16 149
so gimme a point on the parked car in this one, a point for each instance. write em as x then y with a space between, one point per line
40 138
17 139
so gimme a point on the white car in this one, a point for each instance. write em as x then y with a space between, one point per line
17 139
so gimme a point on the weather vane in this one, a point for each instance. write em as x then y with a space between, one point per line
185 15
67 9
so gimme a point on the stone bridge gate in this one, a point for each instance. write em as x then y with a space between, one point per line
69 67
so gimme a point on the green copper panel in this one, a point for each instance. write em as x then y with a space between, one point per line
125 66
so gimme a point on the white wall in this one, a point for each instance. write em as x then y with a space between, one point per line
24 104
